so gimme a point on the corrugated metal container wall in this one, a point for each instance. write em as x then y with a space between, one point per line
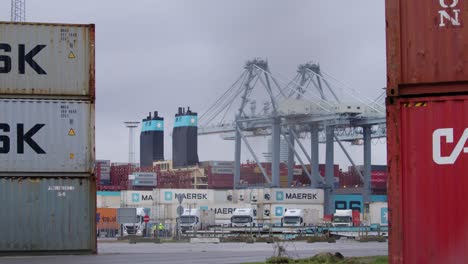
220 196
428 160
108 199
426 47
47 214
106 218
47 136
47 180
58 60
378 213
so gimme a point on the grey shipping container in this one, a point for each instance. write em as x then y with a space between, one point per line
105 170
104 163
47 215
220 170
46 136
60 60
217 163
144 179
105 176
144 182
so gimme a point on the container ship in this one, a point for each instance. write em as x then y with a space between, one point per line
184 171
220 175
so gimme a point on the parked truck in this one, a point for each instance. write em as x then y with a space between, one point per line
299 217
196 219
343 218
137 228
244 217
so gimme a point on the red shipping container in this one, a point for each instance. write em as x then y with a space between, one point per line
356 218
428 164
379 179
426 47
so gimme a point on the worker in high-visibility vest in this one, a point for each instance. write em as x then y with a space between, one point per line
153 229
161 229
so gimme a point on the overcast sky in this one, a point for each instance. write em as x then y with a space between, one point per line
158 55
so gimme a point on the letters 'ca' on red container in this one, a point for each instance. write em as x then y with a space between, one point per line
428 163
427 47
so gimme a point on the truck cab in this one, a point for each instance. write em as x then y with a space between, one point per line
190 219
343 218
244 217
196 219
293 217
137 228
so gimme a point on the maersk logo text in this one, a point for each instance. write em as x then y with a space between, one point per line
301 196
136 197
280 196
147 197
224 211
193 196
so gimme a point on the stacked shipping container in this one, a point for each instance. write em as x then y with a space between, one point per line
427 120
351 178
102 170
220 174
47 182
165 179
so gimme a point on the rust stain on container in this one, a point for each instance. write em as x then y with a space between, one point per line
427 46
428 160
36 61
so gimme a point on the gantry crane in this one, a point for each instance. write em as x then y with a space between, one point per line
306 104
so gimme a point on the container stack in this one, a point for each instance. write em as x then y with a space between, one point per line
47 181
175 179
102 171
303 179
427 120
119 175
220 174
379 176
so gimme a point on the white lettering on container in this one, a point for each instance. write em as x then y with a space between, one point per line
446 15
436 145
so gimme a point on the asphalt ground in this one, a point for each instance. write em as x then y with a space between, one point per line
143 253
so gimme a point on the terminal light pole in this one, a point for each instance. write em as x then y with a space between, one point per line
131 125
18 10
